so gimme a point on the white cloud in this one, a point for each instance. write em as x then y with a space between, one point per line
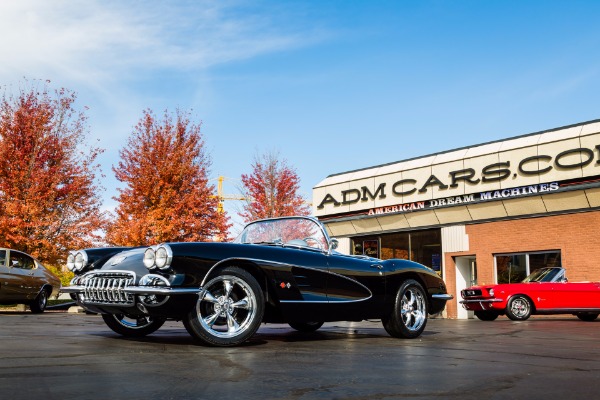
96 41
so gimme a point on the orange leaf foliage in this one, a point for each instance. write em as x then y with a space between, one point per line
167 196
272 190
49 201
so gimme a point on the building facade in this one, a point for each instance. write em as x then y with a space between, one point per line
490 213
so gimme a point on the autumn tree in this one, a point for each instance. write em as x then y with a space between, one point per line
49 200
271 190
167 195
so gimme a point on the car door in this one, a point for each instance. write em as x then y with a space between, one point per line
26 284
355 286
571 295
9 282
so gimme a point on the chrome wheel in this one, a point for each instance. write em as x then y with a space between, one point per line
132 323
413 309
409 315
226 307
229 310
518 308
134 326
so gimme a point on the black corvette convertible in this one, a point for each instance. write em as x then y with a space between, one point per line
282 270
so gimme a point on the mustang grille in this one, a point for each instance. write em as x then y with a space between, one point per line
107 288
472 292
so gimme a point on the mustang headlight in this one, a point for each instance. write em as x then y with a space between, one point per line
81 260
71 262
149 257
163 257
492 292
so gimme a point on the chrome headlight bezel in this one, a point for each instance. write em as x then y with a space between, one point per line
159 257
163 257
71 261
81 260
491 292
149 258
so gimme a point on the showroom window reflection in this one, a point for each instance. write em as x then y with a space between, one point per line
423 247
513 268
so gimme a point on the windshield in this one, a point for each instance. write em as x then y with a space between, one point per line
545 275
293 231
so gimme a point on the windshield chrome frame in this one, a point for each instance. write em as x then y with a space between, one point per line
329 241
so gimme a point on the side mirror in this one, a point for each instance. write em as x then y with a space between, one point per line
333 244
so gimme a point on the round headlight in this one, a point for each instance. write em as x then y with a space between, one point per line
71 262
163 257
80 260
492 292
149 257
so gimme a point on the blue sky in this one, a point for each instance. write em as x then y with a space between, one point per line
331 85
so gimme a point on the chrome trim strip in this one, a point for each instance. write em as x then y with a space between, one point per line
444 296
325 302
268 262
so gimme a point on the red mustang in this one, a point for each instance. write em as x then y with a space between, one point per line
545 291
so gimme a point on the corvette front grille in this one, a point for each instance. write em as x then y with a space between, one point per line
106 288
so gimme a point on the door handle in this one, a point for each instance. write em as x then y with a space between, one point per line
377 266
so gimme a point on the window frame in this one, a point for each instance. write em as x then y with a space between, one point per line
527 263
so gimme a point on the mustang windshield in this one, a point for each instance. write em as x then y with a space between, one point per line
545 275
295 231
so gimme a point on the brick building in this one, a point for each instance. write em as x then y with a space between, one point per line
489 213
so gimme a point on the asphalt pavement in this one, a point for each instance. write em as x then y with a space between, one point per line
60 355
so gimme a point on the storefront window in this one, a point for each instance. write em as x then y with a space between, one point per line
421 246
395 245
513 268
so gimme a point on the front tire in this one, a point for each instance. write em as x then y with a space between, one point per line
39 304
486 315
132 326
519 308
306 327
409 316
229 310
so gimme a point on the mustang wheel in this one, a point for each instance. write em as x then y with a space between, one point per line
306 326
229 310
409 317
587 316
518 308
39 304
132 326
486 315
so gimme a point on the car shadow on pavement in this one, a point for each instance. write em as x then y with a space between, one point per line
265 335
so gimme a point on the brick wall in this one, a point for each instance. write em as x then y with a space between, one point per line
575 235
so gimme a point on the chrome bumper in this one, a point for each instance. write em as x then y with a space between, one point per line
480 301
140 290
483 303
